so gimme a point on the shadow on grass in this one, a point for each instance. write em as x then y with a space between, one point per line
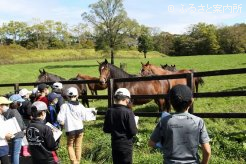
235 89
70 66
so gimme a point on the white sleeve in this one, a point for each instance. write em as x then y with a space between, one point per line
83 113
61 114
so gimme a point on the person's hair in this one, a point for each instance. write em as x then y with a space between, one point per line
118 98
178 104
14 105
35 113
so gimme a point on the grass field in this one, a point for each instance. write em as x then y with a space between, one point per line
228 135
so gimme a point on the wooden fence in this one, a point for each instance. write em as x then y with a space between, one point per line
188 76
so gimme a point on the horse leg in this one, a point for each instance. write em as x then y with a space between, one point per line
167 105
85 101
160 103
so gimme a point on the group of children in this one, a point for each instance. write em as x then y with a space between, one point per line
32 109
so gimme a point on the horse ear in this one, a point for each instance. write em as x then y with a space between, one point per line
174 65
142 63
99 63
147 63
44 71
106 61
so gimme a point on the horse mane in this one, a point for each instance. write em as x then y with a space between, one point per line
56 76
117 72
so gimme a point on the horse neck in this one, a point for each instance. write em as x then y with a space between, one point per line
116 72
53 77
159 71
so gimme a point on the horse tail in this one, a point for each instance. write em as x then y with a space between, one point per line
198 80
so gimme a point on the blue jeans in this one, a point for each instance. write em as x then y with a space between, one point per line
15 152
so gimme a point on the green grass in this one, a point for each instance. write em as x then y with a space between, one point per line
228 135
16 54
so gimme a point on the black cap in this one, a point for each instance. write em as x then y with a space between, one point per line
181 93
180 97
42 86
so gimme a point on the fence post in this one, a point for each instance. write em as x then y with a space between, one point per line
16 88
189 78
110 93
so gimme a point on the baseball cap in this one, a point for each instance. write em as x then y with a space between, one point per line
16 98
72 91
57 85
42 86
24 92
4 100
40 105
122 92
52 96
181 93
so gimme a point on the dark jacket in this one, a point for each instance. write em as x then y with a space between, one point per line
41 141
14 113
25 109
120 122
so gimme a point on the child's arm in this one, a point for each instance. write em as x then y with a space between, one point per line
206 153
61 114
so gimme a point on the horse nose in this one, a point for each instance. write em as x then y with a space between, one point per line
102 80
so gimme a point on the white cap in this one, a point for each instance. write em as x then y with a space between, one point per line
34 90
4 100
72 91
40 105
123 92
24 92
57 85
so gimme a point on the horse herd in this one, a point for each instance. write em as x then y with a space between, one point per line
108 71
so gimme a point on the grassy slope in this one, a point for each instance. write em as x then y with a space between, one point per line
97 145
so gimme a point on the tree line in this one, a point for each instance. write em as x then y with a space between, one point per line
107 27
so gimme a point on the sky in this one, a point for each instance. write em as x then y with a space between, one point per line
169 16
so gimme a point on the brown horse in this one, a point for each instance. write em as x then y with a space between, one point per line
153 87
94 87
150 69
197 80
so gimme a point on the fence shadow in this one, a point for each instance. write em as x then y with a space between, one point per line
235 89
70 66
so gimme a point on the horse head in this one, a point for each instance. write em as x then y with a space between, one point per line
146 70
43 76
104 71
169 68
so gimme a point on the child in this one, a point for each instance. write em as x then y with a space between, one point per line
52 115
71 116
4 148
43 92
17 140
181 133
40 137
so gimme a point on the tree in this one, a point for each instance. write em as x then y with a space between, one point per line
108 17
205 38
16 30
163 43
144 44
232 39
